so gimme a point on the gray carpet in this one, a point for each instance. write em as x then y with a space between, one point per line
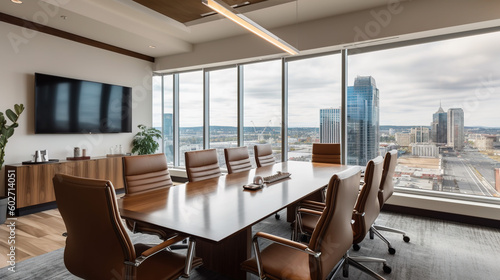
438 250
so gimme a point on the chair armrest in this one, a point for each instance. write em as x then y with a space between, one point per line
309 211
154 250
312 203
278 240
298 220
286 242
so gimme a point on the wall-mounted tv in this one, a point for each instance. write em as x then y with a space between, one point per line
65 105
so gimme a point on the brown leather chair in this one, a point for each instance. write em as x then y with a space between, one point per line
144 173
326 153
322 153
97 244
264 155
366 211
331 239
202 165
237 159
385 192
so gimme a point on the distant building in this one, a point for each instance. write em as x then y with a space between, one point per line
362 121
456 135
403 139
168 136
168 131
424 150
419 135
329 125
439 127
485 142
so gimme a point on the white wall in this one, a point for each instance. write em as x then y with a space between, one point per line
38 52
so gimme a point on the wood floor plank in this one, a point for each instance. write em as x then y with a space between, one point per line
36 234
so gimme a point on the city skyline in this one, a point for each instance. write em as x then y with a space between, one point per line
413 80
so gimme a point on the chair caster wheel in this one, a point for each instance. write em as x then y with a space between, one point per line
406 239
277 216
387 269
356 247
392 251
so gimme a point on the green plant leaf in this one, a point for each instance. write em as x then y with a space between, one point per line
144 141
19 108
9 132
11 115
3 141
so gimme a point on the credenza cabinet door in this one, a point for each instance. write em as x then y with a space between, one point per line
32 184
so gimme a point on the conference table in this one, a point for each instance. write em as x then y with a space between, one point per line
219 213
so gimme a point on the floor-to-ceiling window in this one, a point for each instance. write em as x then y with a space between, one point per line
190 113
437 104
223 116
157 104
434 102
314 94
262 105
168 118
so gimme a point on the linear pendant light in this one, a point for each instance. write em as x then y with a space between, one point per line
230 13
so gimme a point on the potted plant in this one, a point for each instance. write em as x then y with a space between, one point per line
6 131
145 141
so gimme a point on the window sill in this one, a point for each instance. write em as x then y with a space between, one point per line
477 209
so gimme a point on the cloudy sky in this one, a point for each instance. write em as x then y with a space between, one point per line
413 81
459 73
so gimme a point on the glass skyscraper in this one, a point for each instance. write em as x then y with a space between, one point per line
329 125
439 127
362 121
456 128
168 136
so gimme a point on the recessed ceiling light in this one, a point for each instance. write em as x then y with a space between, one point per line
64 17
17 1
152 47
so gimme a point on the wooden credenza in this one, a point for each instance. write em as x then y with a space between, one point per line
32 183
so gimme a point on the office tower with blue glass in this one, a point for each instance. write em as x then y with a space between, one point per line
362 121
439 127
168 136
456 135
329 125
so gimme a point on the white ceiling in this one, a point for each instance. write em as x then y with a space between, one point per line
126 24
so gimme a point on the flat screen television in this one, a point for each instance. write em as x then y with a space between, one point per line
65 105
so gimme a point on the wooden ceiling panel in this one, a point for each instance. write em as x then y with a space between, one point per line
185 10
